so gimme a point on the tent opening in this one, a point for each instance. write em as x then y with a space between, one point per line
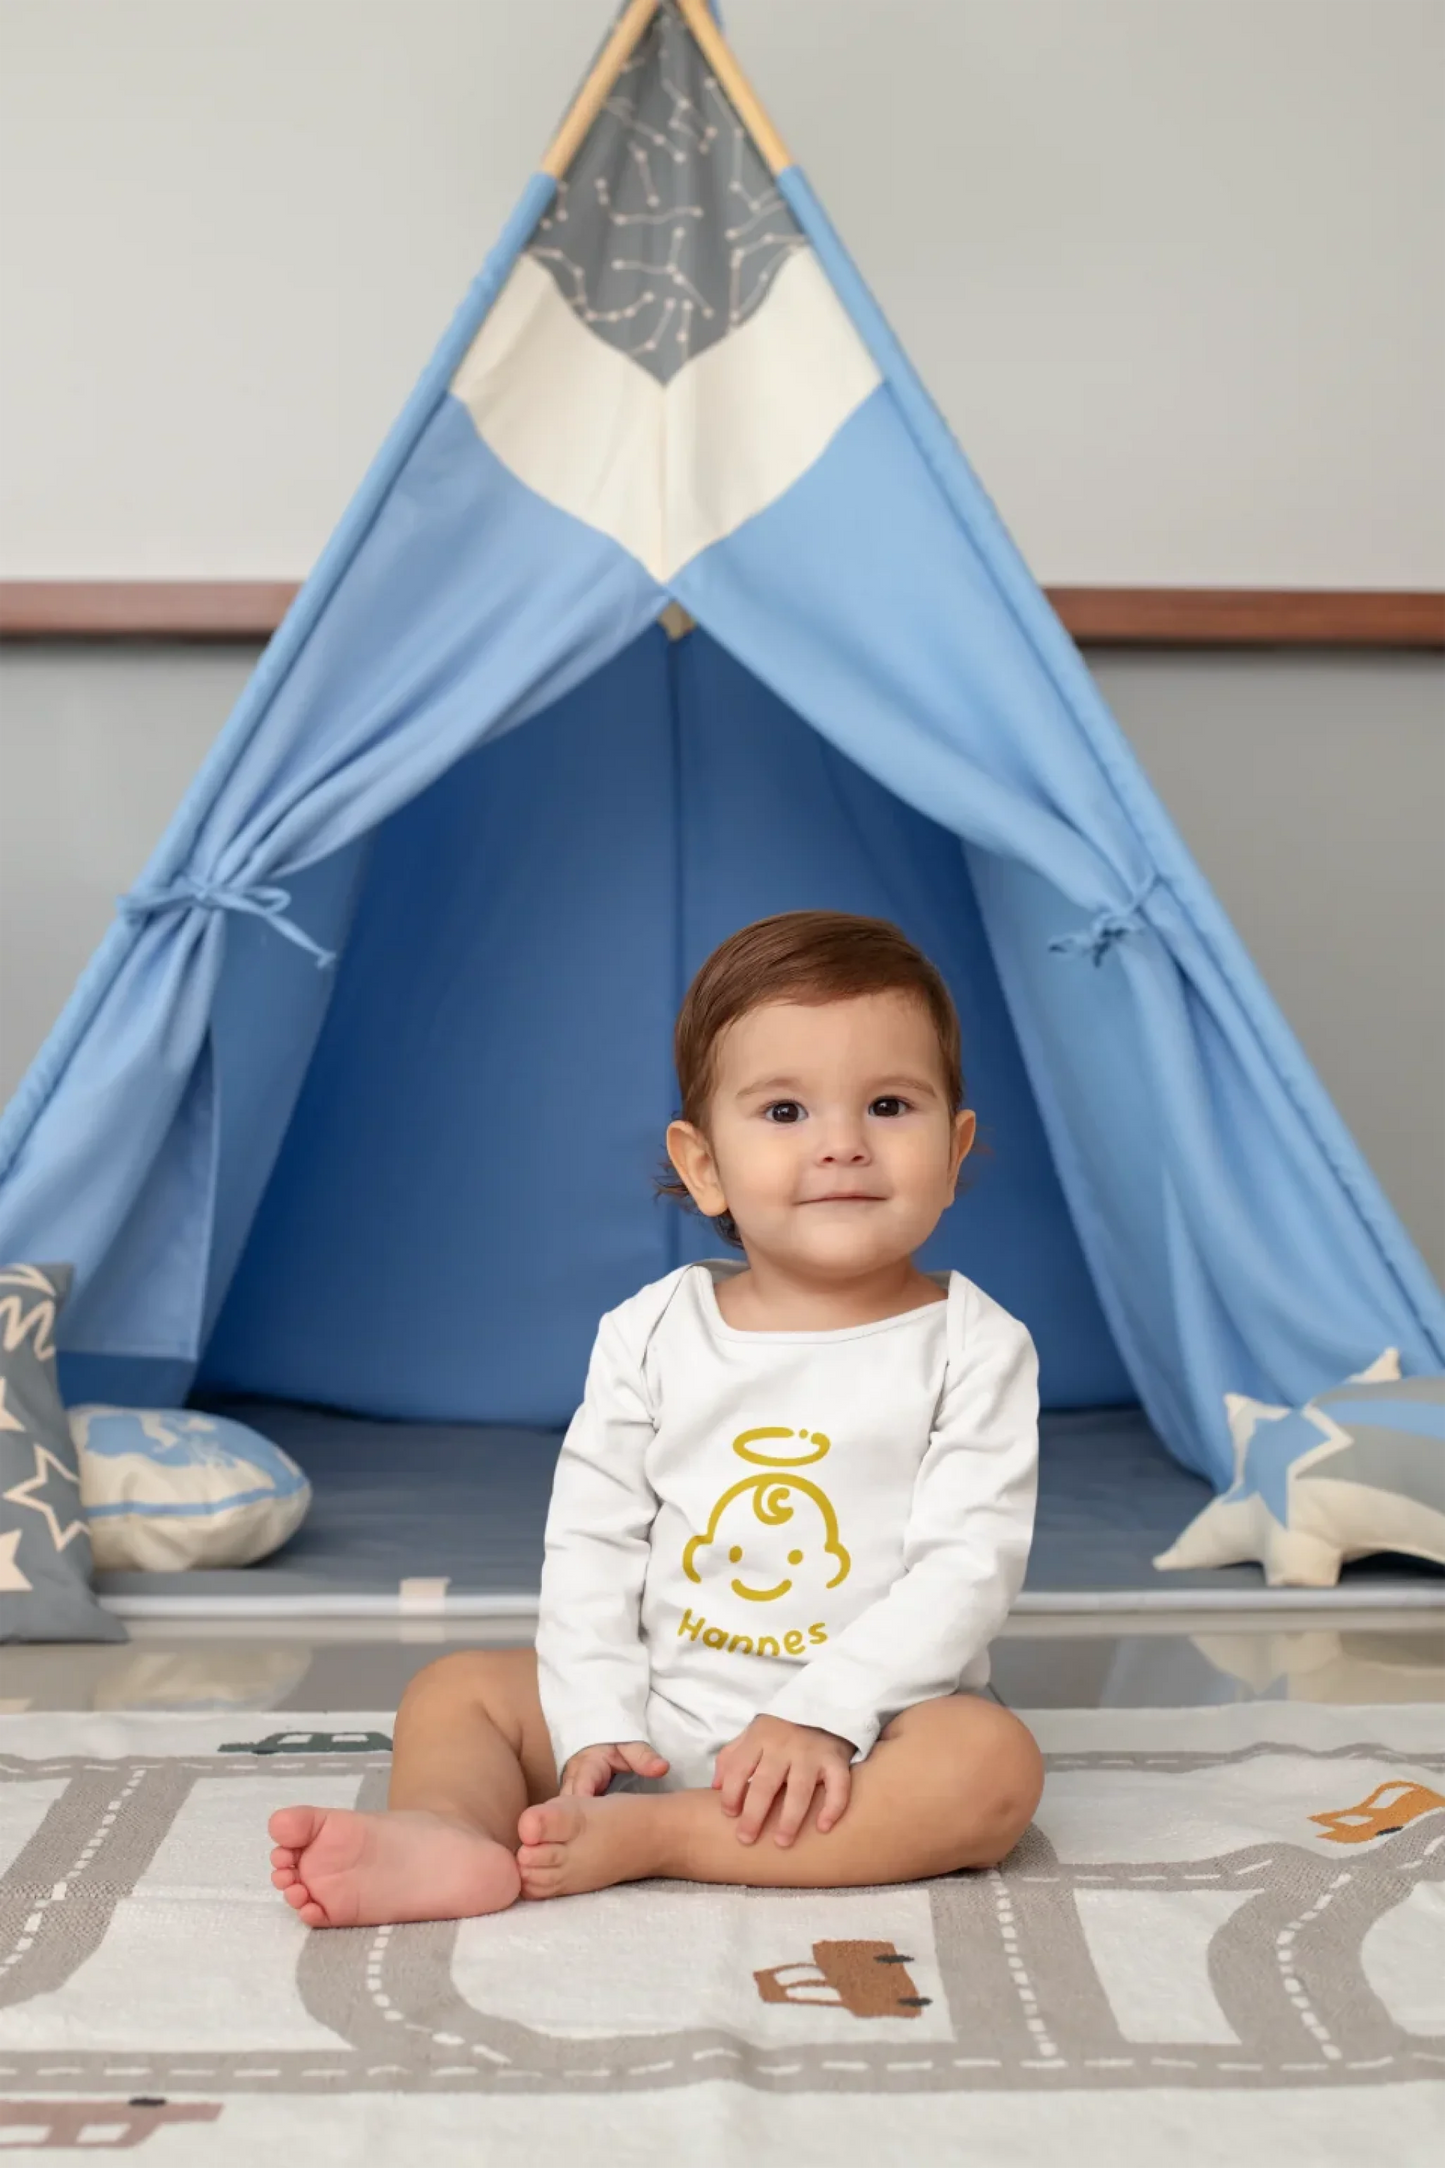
466 1181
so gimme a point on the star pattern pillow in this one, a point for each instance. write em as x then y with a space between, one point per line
45 1592
1359 1468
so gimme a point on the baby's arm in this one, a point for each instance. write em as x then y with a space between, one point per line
592 1670
965 1547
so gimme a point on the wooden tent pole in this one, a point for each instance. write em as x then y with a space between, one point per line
595 92
718 55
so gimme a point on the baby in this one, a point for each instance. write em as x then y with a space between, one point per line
789 1517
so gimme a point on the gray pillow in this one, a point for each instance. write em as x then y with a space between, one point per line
45 1592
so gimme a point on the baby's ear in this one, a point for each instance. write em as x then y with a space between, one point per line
965 1129
691 1155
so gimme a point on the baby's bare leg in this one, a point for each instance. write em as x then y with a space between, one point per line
471 1742
951 1783
470 1749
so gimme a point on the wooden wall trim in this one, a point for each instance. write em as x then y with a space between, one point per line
1096 616
143 609
1251 617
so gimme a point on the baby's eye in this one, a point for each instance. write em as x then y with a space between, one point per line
783 1110
890 1106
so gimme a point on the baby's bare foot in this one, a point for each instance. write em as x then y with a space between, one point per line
575 1844
339 1869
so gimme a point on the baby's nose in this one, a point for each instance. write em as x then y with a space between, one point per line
844 1145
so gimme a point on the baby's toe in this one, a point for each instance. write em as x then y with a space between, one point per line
284 1855
294 1827
554 1821
283 1877
313 1916
297 1895
541 1855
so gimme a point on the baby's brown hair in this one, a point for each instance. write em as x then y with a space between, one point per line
811 957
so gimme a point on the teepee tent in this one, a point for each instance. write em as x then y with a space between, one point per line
669 602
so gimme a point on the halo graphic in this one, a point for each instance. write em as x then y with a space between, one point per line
815 1438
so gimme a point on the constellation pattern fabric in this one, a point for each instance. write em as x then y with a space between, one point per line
668 355
667 232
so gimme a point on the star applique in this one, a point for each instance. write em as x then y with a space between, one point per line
12 1580
32 1492
1271 1442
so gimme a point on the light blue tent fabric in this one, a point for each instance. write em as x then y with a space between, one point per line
405 1181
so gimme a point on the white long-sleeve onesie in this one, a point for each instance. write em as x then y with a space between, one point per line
827 1526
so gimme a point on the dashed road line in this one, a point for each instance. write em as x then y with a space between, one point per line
1023 1985
84 1858
1283 1945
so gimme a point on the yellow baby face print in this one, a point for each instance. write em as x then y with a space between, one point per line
776 1527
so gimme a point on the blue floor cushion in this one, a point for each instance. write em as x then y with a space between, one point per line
165 1489
1359 1468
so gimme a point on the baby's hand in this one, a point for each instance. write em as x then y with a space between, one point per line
773 1756
592 1769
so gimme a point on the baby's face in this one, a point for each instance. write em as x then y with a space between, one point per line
833 1143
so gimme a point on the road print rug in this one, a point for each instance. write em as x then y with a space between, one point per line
1226 1929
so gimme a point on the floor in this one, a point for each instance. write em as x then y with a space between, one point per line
1184 1662
466 1503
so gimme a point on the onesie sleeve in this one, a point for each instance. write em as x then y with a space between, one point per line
965 1546
592 1669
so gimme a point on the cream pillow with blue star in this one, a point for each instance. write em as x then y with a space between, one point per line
1359 1468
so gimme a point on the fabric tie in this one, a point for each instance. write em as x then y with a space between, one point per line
1106 927
190 894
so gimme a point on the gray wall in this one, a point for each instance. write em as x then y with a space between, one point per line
1311 788
97 746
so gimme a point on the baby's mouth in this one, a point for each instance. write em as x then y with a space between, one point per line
761 1595
847 1196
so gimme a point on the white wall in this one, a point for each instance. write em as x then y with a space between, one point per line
1175 269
